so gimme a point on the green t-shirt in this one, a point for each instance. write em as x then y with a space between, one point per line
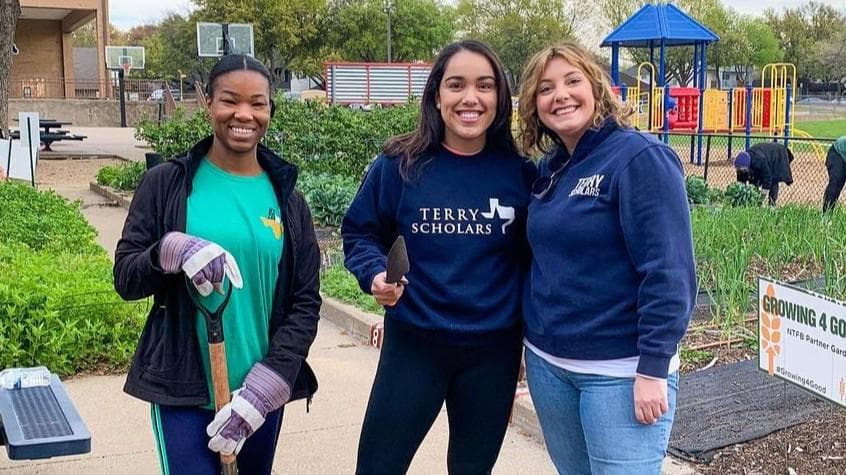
242 215
840 146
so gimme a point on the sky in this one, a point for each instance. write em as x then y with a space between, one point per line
124 13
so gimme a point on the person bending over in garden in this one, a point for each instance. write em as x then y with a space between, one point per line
612 281
835 163
456 189
227 208
765 165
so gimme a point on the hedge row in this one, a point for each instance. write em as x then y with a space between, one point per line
58 307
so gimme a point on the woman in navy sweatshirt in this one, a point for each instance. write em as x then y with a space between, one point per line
457 190
612 280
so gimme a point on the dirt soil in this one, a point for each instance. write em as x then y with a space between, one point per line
817 447
61 173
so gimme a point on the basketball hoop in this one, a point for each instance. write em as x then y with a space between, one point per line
126 65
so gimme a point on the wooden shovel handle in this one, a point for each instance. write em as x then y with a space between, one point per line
220 383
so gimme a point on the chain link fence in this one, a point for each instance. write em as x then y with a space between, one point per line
716 166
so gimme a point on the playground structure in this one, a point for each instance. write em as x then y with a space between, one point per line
664 109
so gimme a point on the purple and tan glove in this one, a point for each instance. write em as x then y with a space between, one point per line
263 391
206 263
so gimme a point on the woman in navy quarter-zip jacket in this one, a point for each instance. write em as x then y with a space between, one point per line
612 279
456 189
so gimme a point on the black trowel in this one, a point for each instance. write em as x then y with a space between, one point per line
397 262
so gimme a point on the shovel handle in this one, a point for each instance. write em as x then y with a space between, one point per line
220 383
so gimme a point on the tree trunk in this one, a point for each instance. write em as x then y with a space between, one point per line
10 10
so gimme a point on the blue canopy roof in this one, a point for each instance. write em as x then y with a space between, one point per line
657 22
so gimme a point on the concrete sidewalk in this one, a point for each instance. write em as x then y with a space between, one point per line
102 141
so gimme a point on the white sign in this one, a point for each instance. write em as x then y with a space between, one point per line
802 338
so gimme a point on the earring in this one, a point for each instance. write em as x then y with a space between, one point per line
438 105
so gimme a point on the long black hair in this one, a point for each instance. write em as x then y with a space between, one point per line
413 146
239 62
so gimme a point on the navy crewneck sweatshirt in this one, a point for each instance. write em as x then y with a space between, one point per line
463 220
612 273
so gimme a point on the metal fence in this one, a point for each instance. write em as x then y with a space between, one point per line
810 176
44 88
819 107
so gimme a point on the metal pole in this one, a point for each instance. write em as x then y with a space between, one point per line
615 64
388 10
730 120
666 88
226 46
787 111
122 90
748 116
701 76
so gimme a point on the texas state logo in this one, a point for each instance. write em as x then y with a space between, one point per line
274 222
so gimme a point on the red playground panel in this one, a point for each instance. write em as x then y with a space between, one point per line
685 115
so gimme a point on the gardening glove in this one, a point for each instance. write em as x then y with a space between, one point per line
204 262
263 391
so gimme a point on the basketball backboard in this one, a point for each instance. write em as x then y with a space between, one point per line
121 57
210 39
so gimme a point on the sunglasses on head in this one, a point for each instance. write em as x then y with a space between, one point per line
545 184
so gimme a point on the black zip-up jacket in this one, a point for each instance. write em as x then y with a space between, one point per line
166 368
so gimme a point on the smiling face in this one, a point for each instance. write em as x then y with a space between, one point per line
467 98
565 101
240 110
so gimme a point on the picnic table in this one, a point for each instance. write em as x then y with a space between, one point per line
51 132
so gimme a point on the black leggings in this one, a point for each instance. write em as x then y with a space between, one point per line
413 380
836 166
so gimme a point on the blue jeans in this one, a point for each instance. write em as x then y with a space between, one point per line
589 425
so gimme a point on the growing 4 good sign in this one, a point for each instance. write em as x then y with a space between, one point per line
802 338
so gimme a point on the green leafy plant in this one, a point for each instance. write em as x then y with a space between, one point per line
338 283
124 177
328 196
743 195
58 307
60 310
175 135
43 220
697 190
317 137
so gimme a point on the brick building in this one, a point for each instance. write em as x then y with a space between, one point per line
44 66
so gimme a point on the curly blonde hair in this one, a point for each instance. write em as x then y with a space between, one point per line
534 136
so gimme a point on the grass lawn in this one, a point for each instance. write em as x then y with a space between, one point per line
823 128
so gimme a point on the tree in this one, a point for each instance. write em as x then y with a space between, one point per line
85 36
757 46
516 29
10 11
831 57
800 32
284 29
174 49
419 28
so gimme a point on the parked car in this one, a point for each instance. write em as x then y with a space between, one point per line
158 95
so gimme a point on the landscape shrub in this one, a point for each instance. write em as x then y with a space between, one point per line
58 307
317 137
60 310
43 220
124 177
328 196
